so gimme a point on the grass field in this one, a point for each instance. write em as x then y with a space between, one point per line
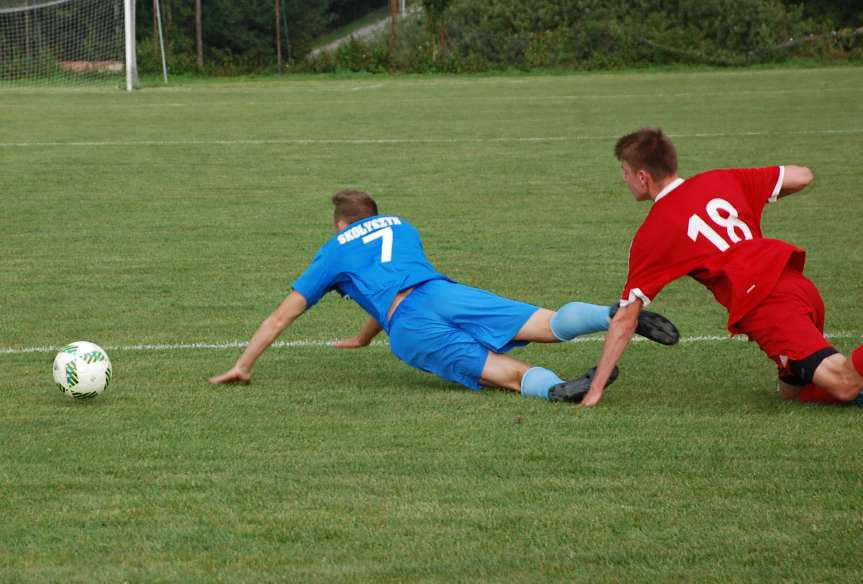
173 218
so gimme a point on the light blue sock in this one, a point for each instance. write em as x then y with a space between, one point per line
536 382
579 318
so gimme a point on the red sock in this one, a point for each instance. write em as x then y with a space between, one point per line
813 393
857 360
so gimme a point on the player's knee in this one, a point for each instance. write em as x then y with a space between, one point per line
836 374
802 371
825 368
847 385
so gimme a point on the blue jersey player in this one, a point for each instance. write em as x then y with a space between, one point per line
434 324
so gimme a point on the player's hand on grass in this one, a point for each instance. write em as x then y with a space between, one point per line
355 342
591 398
233 375
595 391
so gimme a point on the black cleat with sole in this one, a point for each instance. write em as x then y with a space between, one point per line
573 391
653 326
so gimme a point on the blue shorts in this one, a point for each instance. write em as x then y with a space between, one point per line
447 328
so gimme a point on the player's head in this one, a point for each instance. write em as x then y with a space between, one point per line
646 156
351 206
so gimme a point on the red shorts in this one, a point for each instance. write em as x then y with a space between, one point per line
788 325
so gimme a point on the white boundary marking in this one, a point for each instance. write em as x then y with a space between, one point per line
385 141
310 343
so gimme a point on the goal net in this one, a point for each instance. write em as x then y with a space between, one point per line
66 42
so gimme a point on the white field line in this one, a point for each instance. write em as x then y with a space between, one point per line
309 343
385 141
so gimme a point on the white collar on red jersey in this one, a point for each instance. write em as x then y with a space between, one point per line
668 188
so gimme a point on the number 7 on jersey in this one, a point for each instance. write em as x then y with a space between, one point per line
386 237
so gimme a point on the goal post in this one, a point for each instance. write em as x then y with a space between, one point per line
131 50
59 42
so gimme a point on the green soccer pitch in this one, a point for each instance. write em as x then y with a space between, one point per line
166 224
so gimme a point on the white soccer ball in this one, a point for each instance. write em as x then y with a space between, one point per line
82 370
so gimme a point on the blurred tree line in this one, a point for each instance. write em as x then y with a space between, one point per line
470 35
239 35
480 35
844 13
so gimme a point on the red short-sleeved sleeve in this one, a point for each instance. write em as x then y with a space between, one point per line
762 185
649 268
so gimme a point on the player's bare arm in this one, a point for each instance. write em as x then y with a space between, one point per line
620 331
363 338
795 178
269 330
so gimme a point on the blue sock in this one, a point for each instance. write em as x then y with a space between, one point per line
579 318
536 382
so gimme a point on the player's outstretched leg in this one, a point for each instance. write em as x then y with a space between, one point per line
573 391
579 318
543 383
506 372
653 326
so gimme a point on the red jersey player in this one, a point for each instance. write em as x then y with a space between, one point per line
709 227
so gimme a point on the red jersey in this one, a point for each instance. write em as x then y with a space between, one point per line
709 227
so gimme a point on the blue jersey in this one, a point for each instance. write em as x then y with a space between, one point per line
370 261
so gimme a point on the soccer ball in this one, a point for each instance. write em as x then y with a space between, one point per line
82 370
